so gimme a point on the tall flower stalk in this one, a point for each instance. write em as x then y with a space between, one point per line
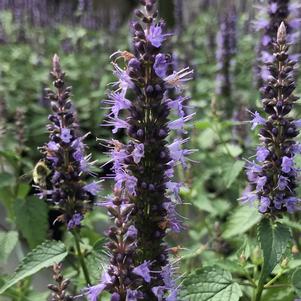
273 14
149 93
61 175
226 50
272 178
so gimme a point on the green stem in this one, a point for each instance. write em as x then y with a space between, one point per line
258 293
274 279
81 258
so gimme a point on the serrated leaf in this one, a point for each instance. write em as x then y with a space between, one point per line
8 241
274 240
242 219
296 281
210 284
43 256
29 211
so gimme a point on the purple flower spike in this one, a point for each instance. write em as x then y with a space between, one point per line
225 53
149 90
272 179
65 157
270 18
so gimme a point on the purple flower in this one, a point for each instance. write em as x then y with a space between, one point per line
174 187
118 102
161 64
138 152
248 196
287 164
130 182
178 124
125 81
261 182
177 105
156 36
177 153
92 188
116 123
264 204
291 204
257 120
65 135
159 292
278 201
75 221
143 271
173 217
262 154
132 232
253 170
297 123
52 146
282 183
133 295
93 292
166 274
172 296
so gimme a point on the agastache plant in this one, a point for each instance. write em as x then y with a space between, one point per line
273 176
65 164
226 50
274 13
61 176
143 208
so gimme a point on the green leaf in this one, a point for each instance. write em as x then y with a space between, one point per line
8 241
296 281
6 179
210 284
29 211
242 219
43 256
274 240
232 171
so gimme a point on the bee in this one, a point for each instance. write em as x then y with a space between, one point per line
40 173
